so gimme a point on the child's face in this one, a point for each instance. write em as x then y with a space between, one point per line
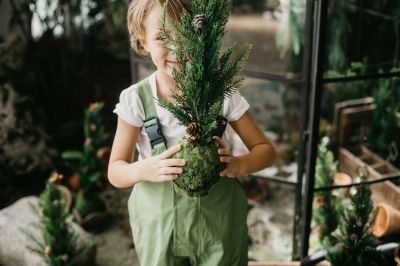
153 44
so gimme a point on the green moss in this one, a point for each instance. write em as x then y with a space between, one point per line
202 168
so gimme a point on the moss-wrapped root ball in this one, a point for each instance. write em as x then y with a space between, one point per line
202 168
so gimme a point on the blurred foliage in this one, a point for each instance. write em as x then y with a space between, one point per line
248 5
354 89
326 205
24 145
290 33
339 30
61 56
363 29
384 131
289 40
349 28
89 163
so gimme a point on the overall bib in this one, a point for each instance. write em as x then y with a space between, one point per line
173 229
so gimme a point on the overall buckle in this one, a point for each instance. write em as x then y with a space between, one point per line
152 127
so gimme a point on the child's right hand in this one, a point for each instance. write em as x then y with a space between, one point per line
162 168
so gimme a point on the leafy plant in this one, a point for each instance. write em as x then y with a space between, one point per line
327 206
384 134
90 162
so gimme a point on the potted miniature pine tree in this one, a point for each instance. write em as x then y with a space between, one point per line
58 244
205 76
355 243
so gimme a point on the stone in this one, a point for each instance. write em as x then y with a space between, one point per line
20 216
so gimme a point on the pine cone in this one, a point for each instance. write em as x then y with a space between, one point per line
193 132
198 22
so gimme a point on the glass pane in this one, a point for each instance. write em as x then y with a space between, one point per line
275 108
274 28
360 123
365 32
364 113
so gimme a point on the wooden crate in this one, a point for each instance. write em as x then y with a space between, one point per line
350 127
351 162
351 119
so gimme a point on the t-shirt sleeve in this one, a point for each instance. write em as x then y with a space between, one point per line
130 108
235 106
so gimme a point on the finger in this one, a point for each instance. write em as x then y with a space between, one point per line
223 151
225 159
172 162
171 151
163 178
230 175
220 141
170 170
223 173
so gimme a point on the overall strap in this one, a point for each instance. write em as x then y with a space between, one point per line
151 122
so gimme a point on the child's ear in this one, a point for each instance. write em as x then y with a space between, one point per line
143 42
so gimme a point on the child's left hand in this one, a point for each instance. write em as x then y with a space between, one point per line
234 167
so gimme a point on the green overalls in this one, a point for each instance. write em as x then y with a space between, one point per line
171 229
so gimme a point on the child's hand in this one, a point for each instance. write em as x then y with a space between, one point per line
161 168
234 167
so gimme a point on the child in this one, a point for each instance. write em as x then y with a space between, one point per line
169 228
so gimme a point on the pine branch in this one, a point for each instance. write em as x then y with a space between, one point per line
205 77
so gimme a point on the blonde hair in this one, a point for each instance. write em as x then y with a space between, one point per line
137 13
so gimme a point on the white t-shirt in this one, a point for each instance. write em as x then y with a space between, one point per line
130 109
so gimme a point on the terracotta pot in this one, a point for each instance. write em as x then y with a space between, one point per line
73 182
342 179
387 220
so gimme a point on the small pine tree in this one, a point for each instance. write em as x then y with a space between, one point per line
205 77
326 205
354 239
59 244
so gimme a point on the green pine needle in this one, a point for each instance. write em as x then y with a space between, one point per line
206 75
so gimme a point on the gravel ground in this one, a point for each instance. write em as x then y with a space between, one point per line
114 243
